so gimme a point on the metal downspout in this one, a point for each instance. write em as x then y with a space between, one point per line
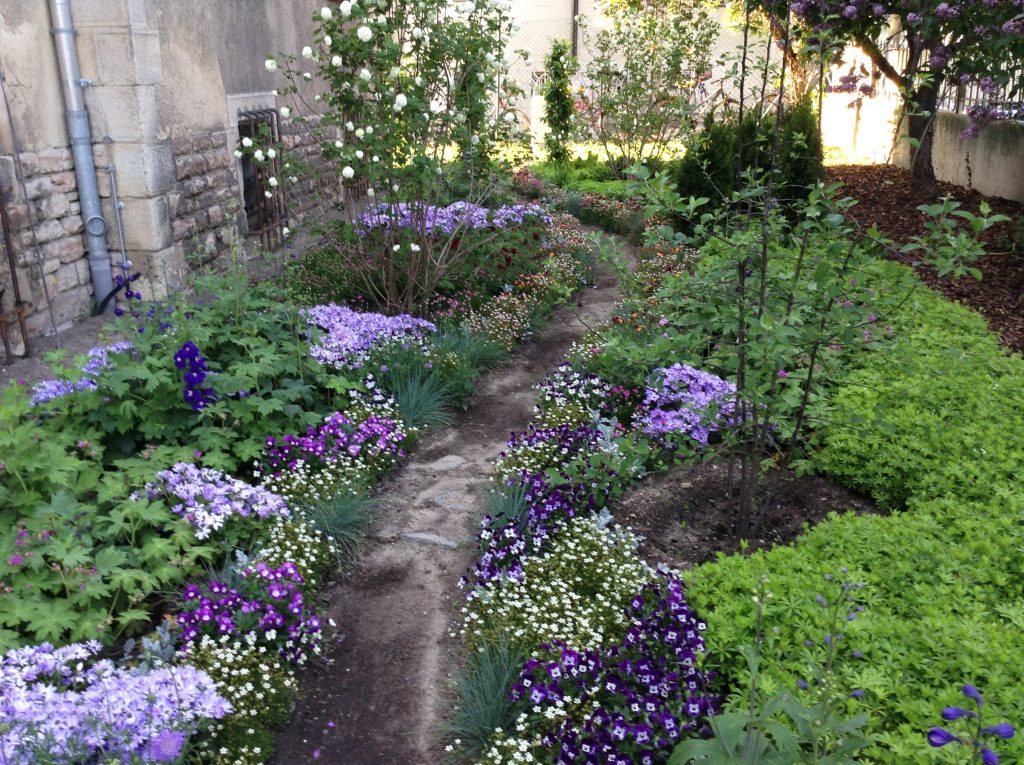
81 149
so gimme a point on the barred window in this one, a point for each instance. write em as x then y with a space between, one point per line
265 209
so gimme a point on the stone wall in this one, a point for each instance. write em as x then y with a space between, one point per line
61 259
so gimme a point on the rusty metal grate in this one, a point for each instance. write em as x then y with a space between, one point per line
266 216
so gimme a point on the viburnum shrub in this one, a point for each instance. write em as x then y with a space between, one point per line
559 112
402 82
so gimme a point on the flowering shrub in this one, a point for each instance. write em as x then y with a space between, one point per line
97 359
685 401
576 591
625 701
259 685
61 706
270 605
208 498
351 337
505 319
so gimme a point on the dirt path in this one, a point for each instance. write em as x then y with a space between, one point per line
381 699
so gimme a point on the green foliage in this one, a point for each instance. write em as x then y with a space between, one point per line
951 242
345 517
709 166
482 696
935 413
459 356
559 66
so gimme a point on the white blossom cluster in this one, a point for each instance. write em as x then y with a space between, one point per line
575 591
297 540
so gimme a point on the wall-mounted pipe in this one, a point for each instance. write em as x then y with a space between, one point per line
81 149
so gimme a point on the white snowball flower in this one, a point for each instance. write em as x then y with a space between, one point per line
336 61
247 142
509 117
364 74
382 19
238 154
272 153
414 247
418 81
394 188
474 140
286 232
397 247
270 64
360 132
359 153
285 112
346 9
407 47
369 129
325 13
258 155
436 106
395 71
349 126
376 158
364 33
371 193
417 33
267 194
317 98
347 172
480 76
328 40
339 145
400 102
307 76
272 181
307 53
293 179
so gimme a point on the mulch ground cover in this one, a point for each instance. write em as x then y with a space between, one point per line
888 200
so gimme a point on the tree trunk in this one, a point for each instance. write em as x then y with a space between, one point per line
921 128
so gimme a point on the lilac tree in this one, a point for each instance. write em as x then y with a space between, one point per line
964 40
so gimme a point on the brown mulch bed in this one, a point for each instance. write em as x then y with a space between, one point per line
687 515
888 201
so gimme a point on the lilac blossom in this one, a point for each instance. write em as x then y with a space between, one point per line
351 336
60 705
207 498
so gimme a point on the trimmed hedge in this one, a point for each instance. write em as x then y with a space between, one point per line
932 421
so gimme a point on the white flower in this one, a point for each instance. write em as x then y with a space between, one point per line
414 247
238 154
400 102
397 247
247 142
360 132
349 126
272 181
328 40
480 76
418 81
509 117
345 8
382 19
395 71
317 98
293 179
364 33
364 74
371 193
267 194
285 111
286 232
475 139
347 172
417 33
271 153
369 129
270 64
407 46
307 76
436 106
325 13
336 61
339 145
394 188
307 52
376 158
258 155
359 153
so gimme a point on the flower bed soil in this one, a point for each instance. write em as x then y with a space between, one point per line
888 201
687 515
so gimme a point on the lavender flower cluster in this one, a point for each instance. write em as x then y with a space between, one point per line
60 706
98 359
196 393
682 400
272 607
207 498
640 695
537 449
570 396
447 220
350 337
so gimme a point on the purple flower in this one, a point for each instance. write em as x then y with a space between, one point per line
972 693
166 746
940 737
1002 730
955 713
988 757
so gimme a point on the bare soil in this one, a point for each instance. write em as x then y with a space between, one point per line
687 516
380 695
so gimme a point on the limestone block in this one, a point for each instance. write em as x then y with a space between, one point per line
146 224
99 13
144 169
39 187
66 250
66 277
48 230
115 57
